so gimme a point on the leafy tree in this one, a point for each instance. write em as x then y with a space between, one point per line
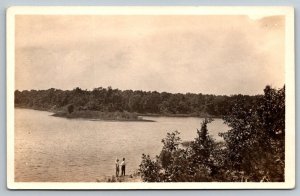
150 170
113 100
255 142
253 149
170 145
171 142
70 108
195 163
135 103
203 148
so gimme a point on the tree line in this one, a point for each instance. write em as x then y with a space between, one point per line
253 149
143 102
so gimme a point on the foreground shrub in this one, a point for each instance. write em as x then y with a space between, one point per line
253 148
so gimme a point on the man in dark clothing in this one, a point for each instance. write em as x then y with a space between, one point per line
123 165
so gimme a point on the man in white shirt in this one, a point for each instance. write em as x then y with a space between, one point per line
117 167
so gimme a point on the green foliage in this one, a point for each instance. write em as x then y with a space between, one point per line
99 115
171 142
252 150
203 147
195 163
112 100
165 158
255 142
150 169
70 108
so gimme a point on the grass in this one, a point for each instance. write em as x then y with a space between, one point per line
135 177
97 115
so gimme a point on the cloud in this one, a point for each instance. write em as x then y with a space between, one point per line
207 54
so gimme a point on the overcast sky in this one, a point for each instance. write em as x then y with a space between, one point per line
198 54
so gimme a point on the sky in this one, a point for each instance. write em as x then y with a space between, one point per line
214 54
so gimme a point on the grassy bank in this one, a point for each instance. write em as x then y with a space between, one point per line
202 115
97 115
109 116
134 177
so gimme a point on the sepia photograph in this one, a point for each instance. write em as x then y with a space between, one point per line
150 98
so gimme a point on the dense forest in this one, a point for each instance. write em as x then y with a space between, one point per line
141 102
253 149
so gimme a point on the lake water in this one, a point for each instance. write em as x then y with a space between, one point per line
52 149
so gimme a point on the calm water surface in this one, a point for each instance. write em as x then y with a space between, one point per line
56 149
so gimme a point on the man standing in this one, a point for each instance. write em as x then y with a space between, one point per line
123 164
117 167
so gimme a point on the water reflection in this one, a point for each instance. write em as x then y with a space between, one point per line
61 150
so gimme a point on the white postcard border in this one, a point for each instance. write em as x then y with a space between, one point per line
154 10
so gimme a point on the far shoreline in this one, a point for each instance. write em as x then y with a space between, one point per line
65 115
57 113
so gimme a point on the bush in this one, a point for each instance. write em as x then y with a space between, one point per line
150 170
255 142
253 149
181 165
70 108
